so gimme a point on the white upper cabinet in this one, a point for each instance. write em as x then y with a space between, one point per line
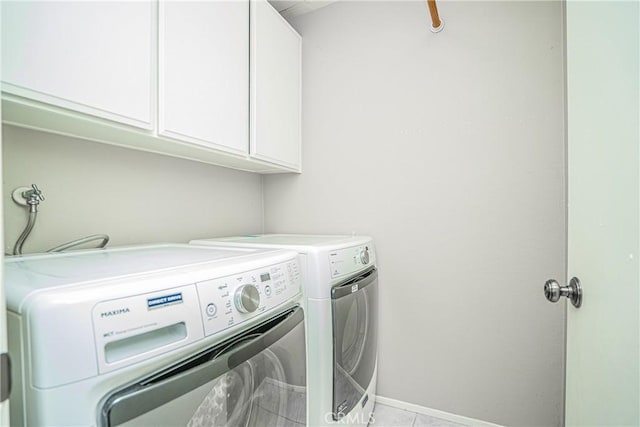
96 58
275 87
204 73
215 81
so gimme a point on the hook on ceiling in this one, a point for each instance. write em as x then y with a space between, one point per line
437 24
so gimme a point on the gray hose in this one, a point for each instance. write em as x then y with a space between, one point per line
17 248
32 198
33 213
63 247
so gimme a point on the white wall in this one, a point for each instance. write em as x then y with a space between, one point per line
449 149
133 196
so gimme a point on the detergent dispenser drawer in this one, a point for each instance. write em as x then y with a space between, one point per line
132 329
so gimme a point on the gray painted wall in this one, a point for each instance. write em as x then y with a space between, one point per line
449 149
133 196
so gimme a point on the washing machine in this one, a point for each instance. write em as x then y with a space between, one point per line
340 286
157 335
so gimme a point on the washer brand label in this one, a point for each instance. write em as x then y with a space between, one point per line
354 288
164 300
115 312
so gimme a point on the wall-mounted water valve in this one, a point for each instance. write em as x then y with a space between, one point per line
28 196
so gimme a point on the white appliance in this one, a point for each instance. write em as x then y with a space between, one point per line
341 304
157 335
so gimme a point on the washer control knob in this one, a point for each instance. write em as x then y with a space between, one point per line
364 256
247 298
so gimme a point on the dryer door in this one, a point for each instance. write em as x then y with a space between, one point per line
355 335
255 379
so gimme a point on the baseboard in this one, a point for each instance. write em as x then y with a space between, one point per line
434 412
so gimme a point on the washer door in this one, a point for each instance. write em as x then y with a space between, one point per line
246 396
252 380
355 335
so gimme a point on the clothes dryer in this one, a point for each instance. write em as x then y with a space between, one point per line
157 335
340 286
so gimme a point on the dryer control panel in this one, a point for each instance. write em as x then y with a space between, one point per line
350 260
227 301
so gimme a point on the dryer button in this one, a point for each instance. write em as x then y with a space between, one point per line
211 310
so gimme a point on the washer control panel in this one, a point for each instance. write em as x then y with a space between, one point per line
230 300
350 260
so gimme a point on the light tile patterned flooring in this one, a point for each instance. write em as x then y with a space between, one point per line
388 416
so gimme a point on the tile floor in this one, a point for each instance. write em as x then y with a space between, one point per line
387 416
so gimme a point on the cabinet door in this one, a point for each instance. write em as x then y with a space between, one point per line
92 57
204 73
275 87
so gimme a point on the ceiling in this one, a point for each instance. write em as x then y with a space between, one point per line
292 8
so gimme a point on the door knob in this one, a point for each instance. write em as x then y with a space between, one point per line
553 291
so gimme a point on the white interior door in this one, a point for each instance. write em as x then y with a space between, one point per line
602 385
4 405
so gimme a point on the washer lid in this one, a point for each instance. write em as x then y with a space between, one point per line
26 274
